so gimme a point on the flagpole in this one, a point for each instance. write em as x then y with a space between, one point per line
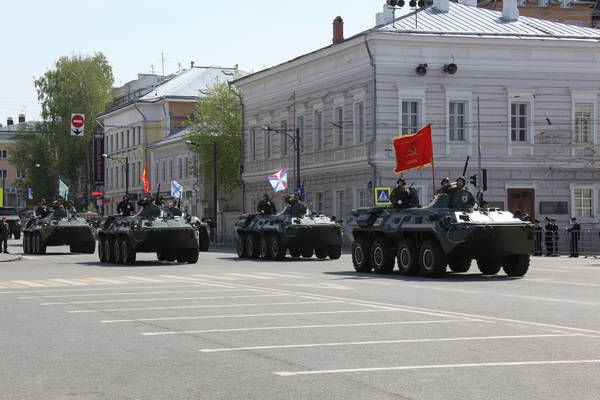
433 175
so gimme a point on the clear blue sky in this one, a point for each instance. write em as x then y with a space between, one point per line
133 33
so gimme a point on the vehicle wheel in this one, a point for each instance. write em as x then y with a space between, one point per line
17 235
459 264
89 248
25 244
42 245
73 248
203 245
382 256
192 256
35 244
171 256
127 252
240 245
295 252
515 264
432 260
108 250
252 246
360 256
101 250
321 252
116 245
276 247
263 245
407 256
307 252
160 255
489 266
334 251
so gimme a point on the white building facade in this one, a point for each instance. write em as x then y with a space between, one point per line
528 88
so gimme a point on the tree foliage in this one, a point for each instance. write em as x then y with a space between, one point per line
217 119
77 84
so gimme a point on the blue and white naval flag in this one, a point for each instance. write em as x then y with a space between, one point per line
176 189
63 189
30 193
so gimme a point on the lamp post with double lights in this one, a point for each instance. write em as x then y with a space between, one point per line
214 149
124 161
296 140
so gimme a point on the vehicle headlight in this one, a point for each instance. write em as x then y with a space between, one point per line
135 227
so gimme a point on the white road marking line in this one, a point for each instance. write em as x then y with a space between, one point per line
244 315
69 282
433 340
96 289
286 275
28 283
437 366
319 285
161 299
563 282
62 296
226 278
106 280
268 328
179 278
205 306
249 276
142 279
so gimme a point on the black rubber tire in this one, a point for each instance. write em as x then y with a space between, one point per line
295 252
88 248
17 235
42 246
171 255
25 244
35 244
108 250
382 256
252 246
240 246
263 247
459 264
408 257
276 247
161 255
116 246
127 252
203 244
361 256
192 256
334 251
432 260
321 252
516 264
101 254
73 248
307 252
489 266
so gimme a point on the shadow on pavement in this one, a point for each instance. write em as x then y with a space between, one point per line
137 264
454 277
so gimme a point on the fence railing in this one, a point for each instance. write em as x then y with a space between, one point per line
563 243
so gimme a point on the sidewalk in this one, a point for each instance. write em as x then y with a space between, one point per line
10 257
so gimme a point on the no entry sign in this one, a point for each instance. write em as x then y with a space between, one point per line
77 124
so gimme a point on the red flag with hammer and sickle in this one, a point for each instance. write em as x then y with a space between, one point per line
413 151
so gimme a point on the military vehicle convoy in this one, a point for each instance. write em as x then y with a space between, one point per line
60 227
203 236
295 229
152 229
429 239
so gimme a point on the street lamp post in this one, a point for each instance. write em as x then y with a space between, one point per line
296 140
125 161
214 150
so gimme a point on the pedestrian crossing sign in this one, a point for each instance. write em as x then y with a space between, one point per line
382 196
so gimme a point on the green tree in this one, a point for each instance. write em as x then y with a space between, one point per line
217 119
77 84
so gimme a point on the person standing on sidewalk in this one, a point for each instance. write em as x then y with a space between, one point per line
574 230
4 234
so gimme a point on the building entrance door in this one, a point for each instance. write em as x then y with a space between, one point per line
521 199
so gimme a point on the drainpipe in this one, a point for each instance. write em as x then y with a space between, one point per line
374 116
241 144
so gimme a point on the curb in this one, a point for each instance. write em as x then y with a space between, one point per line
16 257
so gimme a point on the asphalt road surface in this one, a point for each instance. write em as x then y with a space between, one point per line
224 328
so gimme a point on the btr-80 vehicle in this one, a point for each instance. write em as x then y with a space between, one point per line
59 227
426 240
295 229
152 229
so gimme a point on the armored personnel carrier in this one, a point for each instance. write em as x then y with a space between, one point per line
60 227
295 229
203 236
426 240
152 229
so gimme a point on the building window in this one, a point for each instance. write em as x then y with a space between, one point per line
318 130
319 202
20 174
410 116
518 122
164 171
253 144
111 147
127 134
583 122
339 126
300 127
187 167
3 155
361 198
284 138
122 140
339 203
359 122
139 135
267 136
180 175
457 120
156 179
4 174
583 202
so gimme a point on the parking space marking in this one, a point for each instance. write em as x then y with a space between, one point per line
393 341
163 299
204 306
64 296
244 315
437 366
267 328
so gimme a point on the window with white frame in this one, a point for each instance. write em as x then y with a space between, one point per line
318 129
111 147
362 197
267 137
339 125
583 202
139 135
164 171
457 118
20 173
318 203
180 169
284 138
171 168
411 116
519 121
300 127
359 122
583 122
339 203
186 167
128 142
253 144
122 140
3 155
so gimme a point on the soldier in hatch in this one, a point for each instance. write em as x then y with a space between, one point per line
400 196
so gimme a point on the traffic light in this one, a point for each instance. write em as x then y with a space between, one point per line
473 180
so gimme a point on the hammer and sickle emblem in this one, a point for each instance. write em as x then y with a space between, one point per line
412 151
